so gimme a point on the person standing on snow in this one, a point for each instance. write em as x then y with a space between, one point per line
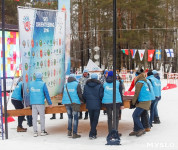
104 76
92 95
142 101
156 116
38 93
17 101
82 82
74 90
108 100
156 87
103 79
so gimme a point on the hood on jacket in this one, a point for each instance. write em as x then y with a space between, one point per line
71 79
38 76
109 79
140 77
93 82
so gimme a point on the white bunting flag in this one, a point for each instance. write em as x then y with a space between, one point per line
141 53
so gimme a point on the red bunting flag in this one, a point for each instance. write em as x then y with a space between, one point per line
150 54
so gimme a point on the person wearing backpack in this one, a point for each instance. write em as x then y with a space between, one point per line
92 95
72 94
142 101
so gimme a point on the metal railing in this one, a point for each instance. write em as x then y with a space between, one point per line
1 116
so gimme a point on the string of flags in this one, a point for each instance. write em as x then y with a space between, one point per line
151 52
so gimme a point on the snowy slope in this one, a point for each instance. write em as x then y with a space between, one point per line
162 136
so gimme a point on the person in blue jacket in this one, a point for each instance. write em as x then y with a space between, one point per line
156 84
38 93
17 101
92 95
108 100
75 92
156 116
142 101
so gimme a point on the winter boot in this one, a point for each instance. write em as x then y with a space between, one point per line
69 133
133 133
156 120
141 132
80 116
75 135
35 134
21 129
147 129
53 117
92 137
86 117
61 115
43 133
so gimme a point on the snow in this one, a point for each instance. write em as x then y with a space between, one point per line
162 136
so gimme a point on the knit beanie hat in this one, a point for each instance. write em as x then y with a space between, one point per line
94 76
110 73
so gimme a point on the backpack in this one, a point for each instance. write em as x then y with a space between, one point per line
113 138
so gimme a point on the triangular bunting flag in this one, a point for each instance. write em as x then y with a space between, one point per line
158 54
169 52
141 53
125 51
150 54
133 52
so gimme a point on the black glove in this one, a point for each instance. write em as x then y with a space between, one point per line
132 106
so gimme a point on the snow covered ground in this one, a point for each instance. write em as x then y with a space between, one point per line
162 136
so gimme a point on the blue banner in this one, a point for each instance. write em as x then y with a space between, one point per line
42 36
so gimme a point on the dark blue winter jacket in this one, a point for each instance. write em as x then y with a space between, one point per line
93 94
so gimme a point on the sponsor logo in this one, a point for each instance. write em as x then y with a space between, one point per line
34 90
71 90
108 88
27 24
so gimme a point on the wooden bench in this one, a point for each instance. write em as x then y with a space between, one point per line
58 109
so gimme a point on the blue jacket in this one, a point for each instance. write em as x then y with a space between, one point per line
156 84
151 89
17 93
145 93
93 94
38 93
108 92
72 87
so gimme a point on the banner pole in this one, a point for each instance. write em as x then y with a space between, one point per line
4 70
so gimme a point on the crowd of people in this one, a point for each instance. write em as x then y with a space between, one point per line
95 93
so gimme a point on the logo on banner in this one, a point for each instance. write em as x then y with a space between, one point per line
27 23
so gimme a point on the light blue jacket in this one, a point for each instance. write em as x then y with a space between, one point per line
38 93
145 93
151 89
17 93
72 89
156 84
108 93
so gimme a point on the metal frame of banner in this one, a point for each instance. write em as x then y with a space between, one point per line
4 69
1 115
